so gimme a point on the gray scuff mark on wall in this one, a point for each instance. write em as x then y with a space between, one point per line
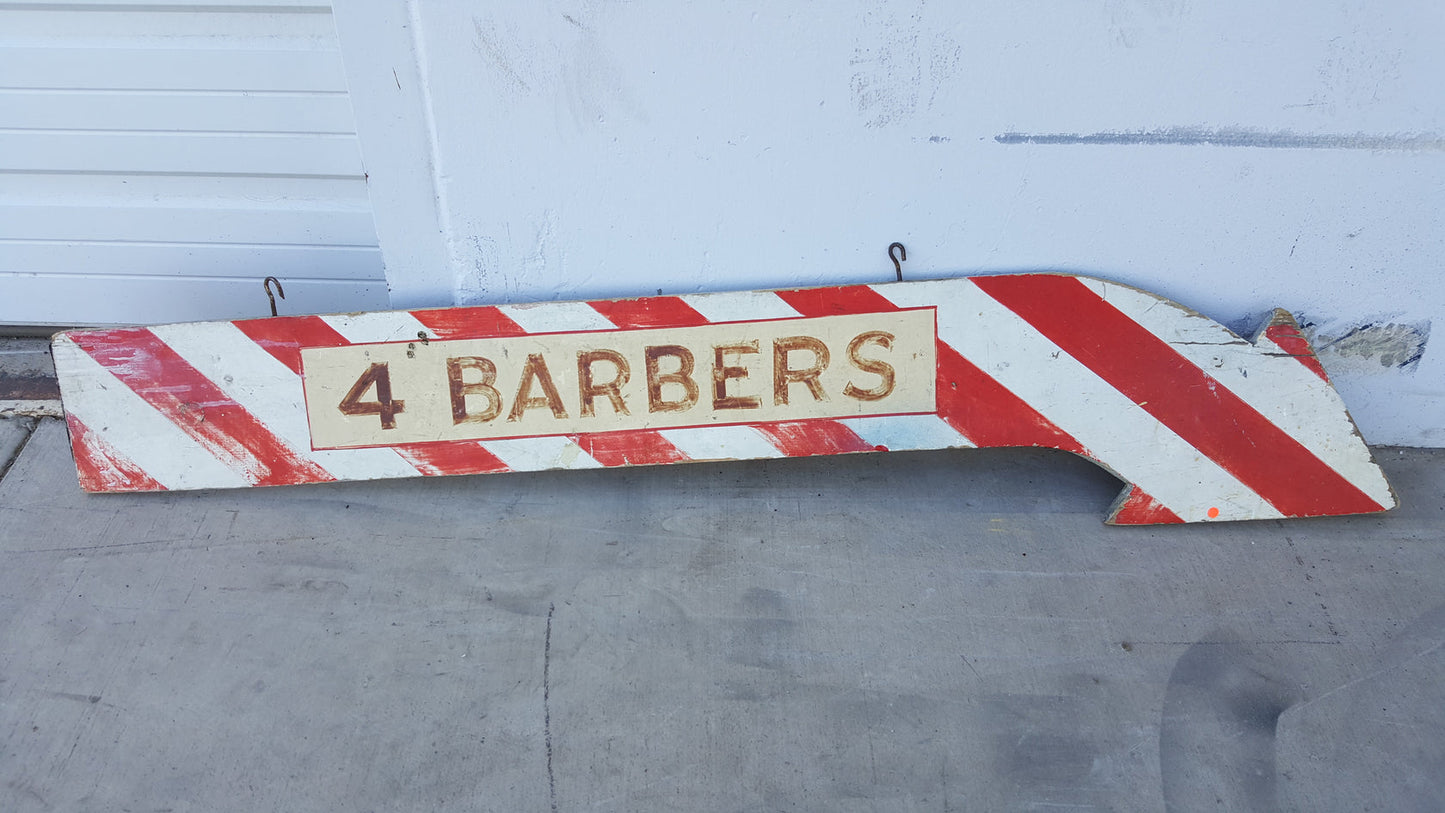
507 58
566 61
1234 137
478 279
1133 24
1371 346
494 270
885 79
594 87
535 262
898 69
1360 68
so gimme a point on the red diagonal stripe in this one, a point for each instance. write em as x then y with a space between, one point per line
1291 341
988 413
804 438
450 457
1180 395
468 323
837 301
972 402
101 467
642 447
1141 509
652 311
284 336
192 402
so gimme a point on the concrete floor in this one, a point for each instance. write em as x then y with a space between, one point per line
929 631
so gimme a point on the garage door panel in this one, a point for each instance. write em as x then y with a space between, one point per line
152 5
221 154
170 68
150 300
202 191
159 159
194 224
176 24
220 111
191 260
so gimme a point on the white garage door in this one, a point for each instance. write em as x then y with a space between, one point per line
158 159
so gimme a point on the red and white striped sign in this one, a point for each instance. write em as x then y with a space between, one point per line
1200 424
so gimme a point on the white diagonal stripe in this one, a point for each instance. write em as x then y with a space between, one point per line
141 434
903 433
538 454
721 443
268 390
1116 431
556 317
382 326
740 306
1287 393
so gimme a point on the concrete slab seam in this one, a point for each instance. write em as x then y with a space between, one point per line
28 433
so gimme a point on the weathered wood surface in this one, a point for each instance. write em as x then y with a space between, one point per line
1200 423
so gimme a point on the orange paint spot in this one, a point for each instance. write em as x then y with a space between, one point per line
1213 512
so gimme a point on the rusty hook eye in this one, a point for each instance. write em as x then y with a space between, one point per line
902 255
266 283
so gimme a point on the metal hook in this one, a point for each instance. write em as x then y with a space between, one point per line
902 255
266 283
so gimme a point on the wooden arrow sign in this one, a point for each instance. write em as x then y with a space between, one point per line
1200 424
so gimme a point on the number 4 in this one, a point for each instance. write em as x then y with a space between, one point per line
384 406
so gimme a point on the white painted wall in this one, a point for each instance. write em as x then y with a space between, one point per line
1286 154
